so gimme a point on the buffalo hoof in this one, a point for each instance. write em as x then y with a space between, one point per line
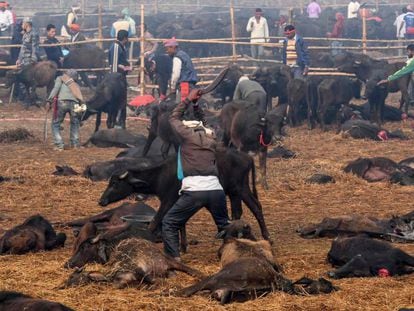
332 275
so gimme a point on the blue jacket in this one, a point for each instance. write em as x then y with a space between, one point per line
188 73
301 50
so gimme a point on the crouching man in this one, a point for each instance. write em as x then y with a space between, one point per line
66 97
196 167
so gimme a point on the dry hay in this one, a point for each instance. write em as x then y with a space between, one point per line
15 135
289 203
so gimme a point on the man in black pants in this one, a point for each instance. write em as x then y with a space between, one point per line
252 92
196 167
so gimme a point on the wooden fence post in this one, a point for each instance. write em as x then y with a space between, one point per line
100 36
142 45
233 32
364 30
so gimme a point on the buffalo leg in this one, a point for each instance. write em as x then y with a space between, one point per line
98 121
356 267
255 207
236 207
151 137
262 163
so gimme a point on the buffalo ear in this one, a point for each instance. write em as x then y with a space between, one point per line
123 175
136 181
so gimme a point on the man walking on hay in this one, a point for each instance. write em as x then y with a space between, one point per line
66 97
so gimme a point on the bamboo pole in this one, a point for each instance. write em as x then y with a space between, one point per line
156 6
141 71
233 33
290 15
364 30
100 36
83 9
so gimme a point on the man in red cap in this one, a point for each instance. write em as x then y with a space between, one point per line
76 36
184 75
295 52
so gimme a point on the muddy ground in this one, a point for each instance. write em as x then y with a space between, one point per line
288 204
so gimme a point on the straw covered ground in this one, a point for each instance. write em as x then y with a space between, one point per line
288 204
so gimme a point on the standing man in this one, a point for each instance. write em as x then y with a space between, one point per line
353 8
313 9
68 99
120 24
295 53
71 18
408 23
399 24
54 53
252 92
29 52
118 55
337 32
76 35
259 33
184 75
150 47
196 167
6 20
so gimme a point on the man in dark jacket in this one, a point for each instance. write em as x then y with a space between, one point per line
295 52
196 167
118 55
184 75
54 53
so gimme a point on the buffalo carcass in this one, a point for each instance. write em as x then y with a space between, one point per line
363 129
115 138
41 74
35 234
246 130
113 216
161 180
86 56
366 68
249 270
365 257
110 97
133 262
14 301
91 246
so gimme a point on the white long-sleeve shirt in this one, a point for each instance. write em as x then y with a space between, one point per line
176 71
259 31
399 21
353 7
6 19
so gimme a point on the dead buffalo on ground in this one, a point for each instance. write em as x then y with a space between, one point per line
64 170
91 246
86 56
161 180
115 138
363 129
133 262
35 234
14 301
114 216
381 169
104 170
244 129
110 97
41 74
366 257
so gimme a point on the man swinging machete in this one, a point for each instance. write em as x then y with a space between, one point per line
196 168
66 97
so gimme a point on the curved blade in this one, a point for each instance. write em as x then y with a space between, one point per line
215 82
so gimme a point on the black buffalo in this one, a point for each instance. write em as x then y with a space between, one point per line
14 301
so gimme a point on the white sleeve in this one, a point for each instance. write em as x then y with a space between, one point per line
248 27
266 31
10 17
176 71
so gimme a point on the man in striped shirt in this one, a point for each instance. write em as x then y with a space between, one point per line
118 56
295 52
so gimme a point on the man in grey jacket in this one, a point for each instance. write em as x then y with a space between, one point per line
66 97
252 92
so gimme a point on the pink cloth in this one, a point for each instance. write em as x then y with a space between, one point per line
313 10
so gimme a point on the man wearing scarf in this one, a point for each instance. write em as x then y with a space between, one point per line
66 97
295 52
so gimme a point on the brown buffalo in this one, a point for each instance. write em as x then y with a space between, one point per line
14 301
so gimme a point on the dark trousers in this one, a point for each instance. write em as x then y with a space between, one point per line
259 99
189 203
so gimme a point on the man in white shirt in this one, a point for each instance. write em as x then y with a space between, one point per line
399 22
6 20
353 8
259 33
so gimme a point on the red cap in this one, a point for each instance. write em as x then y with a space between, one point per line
383 273
382 135
4 4
75 27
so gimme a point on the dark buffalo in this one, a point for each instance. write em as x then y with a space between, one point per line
41 74
155 150
362 129
115 138
110 97
86 56
14 301
226 87
246 130
365 257
35 234
161 180
376 95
